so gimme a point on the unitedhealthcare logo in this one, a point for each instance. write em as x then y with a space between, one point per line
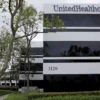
76 8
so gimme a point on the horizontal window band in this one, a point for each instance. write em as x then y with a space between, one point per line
31 73
71 61
22 81
66 48
59 75
73 27
34 69
71 30
37 71
33 56
77 20
70 58
33 51
70 75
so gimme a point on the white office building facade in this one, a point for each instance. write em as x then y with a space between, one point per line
72 55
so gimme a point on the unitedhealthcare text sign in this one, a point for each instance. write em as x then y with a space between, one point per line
72 8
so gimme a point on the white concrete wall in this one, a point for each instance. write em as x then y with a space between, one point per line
72 36
35 60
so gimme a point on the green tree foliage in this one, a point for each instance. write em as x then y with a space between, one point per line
53 22
4 43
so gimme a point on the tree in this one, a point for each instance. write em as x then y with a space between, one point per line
14 7
46 47
15 55
19 19
4 42
29 26
16 10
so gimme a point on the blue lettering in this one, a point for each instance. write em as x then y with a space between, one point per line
76 8
55 7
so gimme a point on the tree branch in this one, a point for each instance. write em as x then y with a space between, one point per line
16 3
27 35
18 6
10 7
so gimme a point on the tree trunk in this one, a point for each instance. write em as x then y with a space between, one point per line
10 81
28 74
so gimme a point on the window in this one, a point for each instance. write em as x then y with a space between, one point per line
78 20
33 67
33 51
71 48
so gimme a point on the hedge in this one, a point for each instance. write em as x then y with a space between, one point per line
93 95
53 94
78 97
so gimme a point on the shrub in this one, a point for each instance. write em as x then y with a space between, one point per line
53 94
78 97
94 95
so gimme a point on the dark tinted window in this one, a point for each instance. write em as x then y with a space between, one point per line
7 84
12 84
78 20
71 48
33 67
33 51
61 83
